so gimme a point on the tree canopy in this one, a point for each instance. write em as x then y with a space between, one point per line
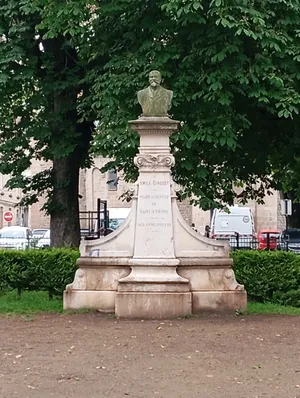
234 69
42 85
233 66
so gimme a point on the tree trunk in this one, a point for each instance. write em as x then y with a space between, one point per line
69 145
64 224
64 205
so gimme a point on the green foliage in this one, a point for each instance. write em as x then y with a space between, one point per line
41 81
47 269
272 276
233 66
234 69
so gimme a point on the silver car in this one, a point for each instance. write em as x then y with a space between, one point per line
39 232
290 240
44 241
15 238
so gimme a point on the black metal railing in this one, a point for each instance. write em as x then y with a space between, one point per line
95 224
266 241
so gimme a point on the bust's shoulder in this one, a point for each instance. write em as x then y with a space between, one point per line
168 93
166 90
144 91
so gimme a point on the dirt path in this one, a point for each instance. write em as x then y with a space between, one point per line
96 356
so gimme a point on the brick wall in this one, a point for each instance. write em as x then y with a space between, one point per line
9 201
95 186
186 210
37 217
281 220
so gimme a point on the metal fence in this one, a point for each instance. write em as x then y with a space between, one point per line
268 242
95 224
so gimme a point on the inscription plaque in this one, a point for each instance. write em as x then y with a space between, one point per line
154 227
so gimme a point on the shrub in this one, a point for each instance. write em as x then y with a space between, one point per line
59 266
47 269
269 275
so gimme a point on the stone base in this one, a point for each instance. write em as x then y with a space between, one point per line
152 305
103 301
219 301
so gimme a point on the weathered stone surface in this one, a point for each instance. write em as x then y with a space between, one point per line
154 224
103 301
100 277
210 278
219 301
151 305
155 100
115 245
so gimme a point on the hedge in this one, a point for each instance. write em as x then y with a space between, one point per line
269 276
33 269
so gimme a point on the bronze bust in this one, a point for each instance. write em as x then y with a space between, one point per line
155 100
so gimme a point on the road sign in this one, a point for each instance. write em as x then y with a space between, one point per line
8 216
286 207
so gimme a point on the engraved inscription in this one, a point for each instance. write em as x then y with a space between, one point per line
154 207
155 182
154 224
154 228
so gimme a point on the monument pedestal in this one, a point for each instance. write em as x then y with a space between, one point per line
154 265
95 283
154 289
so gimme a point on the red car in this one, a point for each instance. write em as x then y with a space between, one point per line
267 239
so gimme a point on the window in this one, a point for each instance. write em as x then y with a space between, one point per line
112 180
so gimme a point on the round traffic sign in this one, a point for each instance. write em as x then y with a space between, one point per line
8 216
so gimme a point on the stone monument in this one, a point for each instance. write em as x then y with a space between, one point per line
154 265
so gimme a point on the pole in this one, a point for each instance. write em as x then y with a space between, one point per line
98 217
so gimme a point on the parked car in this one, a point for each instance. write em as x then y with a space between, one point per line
15 238
290 240
235 225
44 241
39 232
268 239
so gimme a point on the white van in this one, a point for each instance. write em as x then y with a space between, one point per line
235 226
117 215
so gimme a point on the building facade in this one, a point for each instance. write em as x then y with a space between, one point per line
9 201
267 215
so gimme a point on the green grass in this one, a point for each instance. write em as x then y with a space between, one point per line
269 308
30 302
35 302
